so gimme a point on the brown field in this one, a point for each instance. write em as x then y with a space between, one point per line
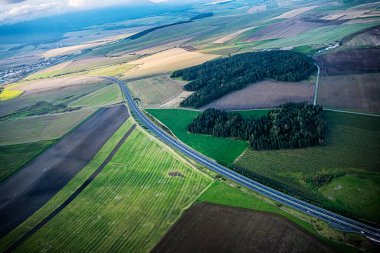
360 11
265 94
166 61
283 29
231 36
55 83
359 92
157 90
215 228
369 38
354 61
293 13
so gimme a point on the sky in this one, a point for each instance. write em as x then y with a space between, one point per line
12 11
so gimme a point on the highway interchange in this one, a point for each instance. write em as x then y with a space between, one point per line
335 220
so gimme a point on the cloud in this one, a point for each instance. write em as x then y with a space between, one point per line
77 3
28 11
12 1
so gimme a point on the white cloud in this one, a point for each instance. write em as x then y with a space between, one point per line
77 3
25 11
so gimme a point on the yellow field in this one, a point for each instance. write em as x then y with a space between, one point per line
114 70
166 61
9 93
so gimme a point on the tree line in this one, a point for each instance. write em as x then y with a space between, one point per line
292 125
213 79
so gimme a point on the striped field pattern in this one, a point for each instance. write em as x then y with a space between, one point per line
127 208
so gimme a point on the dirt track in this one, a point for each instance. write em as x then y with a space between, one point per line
214 228
41 179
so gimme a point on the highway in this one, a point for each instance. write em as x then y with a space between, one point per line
335 220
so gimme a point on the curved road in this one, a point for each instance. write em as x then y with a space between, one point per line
335 220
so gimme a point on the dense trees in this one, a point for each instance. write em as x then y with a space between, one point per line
216 78
288 126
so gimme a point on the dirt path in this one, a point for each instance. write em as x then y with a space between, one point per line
29 189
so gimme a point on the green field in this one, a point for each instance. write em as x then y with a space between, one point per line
42 127
352 148
222 150
108 95
127 208
12 157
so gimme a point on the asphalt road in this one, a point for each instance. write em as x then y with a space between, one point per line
32 186
335 220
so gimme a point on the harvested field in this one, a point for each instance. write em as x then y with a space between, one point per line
176 101
166 61
293 13
369 38
355 61
155 91
38 128
29 189
214 228
231 36
265 94
162 47
55 83
360 92
283 29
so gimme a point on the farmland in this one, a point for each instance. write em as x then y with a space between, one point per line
108 95
8 93
355 61
12 157
157 90
166 61
137 182
357 92
66 95
317 37
283 29
351 149
222 150
38 128
207 228
369 38
265 94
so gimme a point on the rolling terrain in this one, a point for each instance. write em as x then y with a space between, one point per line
103 181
